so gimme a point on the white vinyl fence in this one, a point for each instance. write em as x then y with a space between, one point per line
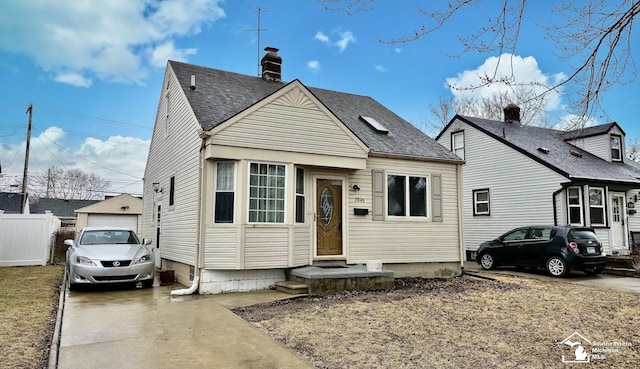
27 239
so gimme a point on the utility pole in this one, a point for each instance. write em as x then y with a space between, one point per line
26 162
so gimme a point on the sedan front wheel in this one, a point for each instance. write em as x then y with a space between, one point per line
487 261
557 267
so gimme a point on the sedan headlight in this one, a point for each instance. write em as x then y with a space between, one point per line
143 259
84 260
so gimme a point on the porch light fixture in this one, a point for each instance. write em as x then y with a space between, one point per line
124 208
156 187
356 187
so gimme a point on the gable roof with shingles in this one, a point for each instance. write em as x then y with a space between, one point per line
221 95
60 207
562 157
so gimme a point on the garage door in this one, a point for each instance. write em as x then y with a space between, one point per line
102 220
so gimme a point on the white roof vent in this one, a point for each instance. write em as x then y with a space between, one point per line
375 124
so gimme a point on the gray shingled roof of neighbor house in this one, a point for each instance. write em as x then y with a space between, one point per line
59 207
220 95
563 157
10 202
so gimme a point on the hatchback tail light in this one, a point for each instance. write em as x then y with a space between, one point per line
573 246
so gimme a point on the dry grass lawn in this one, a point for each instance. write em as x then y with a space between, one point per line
464 322
28 304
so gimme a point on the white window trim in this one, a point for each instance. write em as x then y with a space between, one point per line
286 194
603 206
454 148
407 217
579 206
235 190
620 153
476 202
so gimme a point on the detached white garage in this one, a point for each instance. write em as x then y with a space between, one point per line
99 220
119 211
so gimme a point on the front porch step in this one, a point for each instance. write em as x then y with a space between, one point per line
292 287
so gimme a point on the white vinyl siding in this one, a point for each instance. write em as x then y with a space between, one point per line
521 189
168 158
394 239
292 123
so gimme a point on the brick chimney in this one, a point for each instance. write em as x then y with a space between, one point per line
511 113
271 65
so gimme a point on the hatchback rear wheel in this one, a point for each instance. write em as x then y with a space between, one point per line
487 261
557 267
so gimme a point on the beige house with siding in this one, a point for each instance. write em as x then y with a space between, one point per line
123 210
249 177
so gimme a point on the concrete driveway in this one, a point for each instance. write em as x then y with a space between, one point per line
628 284
145 328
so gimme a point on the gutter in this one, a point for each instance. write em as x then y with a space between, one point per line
460 217
415 157
199 219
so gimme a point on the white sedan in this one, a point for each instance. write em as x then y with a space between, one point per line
100 255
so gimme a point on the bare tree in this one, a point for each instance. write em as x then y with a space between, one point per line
633 150
69 184
595 37
532 111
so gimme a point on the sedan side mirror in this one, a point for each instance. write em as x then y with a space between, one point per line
146 241
68 243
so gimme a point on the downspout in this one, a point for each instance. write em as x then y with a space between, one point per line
198 263
553 200
460 217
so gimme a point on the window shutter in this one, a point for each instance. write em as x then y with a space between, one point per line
378 195
436 195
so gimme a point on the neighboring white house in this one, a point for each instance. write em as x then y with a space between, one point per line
248 177
517 175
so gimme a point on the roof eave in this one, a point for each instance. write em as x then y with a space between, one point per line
415 158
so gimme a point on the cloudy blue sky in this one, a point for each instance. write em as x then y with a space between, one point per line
93 69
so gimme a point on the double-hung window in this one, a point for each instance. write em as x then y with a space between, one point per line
457 143
574 203
481 202
267 193
300 199
225 192
596 206
406 196
616 148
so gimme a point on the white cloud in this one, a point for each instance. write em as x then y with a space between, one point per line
167 51
520 70
381 68
119 159
109 40
345 39
74 79
320 36
314 65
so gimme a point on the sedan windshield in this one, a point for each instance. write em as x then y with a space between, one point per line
106 237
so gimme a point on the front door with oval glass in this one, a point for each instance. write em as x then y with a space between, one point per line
329 217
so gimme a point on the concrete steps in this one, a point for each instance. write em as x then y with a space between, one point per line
292 287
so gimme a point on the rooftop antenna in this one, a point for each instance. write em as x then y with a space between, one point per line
260 9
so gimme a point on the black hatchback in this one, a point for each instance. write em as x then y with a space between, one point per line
557 249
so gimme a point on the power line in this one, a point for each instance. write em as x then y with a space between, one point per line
90 117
